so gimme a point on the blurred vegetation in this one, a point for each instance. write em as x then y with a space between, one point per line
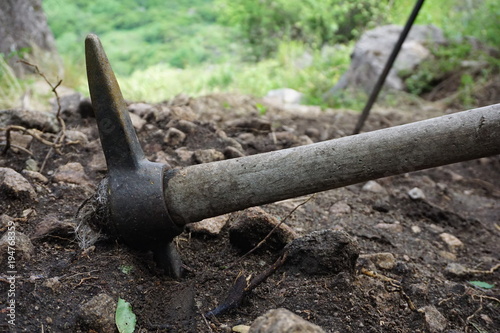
159 49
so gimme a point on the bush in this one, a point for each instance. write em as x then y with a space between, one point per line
266 23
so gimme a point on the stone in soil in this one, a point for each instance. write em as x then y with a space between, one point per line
416 194
211 226
72 172
14 186
42 121
323 252
23 245
453 243
208 155
98 314
282 320
374 187
253 225
383 260
434 320
51 225
174 137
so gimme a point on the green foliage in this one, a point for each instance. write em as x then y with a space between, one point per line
141 33
482 284
160 49
312 77
261 108
124 317
458 65
266 23
11 87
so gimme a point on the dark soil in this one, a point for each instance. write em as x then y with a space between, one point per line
461 199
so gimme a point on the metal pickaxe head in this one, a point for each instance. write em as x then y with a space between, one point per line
137 212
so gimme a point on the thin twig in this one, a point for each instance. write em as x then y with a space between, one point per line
270 233
243 285
59 141
16 147
393 283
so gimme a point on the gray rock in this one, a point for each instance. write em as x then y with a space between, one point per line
247 139
14 186
373 49
76 136
323 252
211 226
184 154
453 243
374 187
31 165
174 137
137 121
72 172
395 228
416 194
20 140
43 121
381 205
52 225
284 95
99 314
98 162
5 221
70 102
434 320
253 225
340 208
185 126
282 320
140 109
208 155
23 246
384 260
455 269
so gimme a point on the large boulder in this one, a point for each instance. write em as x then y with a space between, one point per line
374 48
24 27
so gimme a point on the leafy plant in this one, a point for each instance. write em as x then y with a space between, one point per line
264 24
482 284
124 317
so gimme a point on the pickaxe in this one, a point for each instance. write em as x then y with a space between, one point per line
147 204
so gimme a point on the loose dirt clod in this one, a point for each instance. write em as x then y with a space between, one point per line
324 252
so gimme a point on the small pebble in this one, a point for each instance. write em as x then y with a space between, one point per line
416 194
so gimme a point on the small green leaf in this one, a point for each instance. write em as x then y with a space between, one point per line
262 108
126 268
124 317
482 284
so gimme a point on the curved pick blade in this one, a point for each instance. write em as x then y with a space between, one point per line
118 139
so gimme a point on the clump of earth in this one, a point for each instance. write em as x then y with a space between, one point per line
424 246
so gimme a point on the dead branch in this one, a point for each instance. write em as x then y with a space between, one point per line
59 140
242 286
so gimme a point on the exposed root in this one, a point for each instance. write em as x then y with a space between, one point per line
90 216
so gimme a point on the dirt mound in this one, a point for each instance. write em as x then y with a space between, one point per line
424 237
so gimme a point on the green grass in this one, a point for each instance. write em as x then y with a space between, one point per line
161 82
159 49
